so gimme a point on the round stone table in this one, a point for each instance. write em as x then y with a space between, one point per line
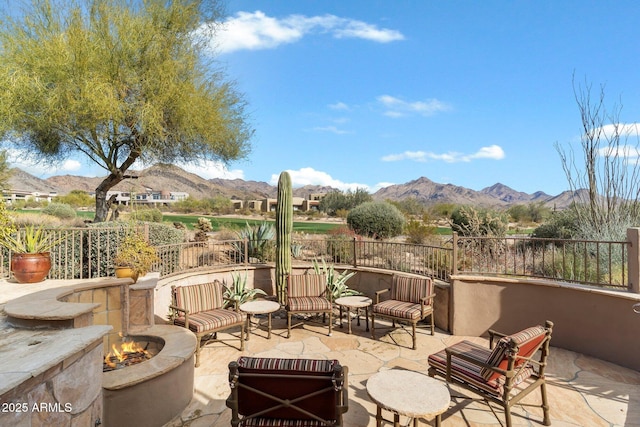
407 393
259 307
357 302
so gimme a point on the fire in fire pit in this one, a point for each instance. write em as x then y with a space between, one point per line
129 353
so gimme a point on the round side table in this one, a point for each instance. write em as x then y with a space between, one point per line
357 302
259 307
407 393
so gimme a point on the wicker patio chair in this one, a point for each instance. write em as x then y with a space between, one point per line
504 373
308 294
411 300
271 392
200 308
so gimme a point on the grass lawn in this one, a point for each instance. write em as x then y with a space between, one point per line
238 223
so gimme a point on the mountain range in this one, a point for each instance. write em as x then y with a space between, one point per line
172 178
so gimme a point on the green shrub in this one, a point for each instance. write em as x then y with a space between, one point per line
418 232
146 215
561 225
376 219
60 210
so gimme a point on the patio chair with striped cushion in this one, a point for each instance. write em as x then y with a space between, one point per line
411 300
308 294
275 392
504 373
200 308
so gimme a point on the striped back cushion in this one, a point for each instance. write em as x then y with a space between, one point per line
306 285
410 289
528 342
201 297
287 379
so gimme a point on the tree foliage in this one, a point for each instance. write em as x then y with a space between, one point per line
335 201
376 219
76 198
118 82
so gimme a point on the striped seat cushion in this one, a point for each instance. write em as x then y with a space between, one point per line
273 364
201 297
211 320
399 309
410 289
306 285
528 341
306 383
280 422
469 373
308 304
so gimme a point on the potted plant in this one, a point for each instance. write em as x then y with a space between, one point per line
238 293
134 256
30 253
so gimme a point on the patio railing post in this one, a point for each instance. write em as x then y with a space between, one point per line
454 254
633 237
355 260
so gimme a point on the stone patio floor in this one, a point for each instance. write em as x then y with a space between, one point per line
583 391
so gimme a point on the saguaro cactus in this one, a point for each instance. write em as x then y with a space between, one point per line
284 225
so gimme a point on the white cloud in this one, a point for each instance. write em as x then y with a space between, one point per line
339 106
256 30
396 107
494 152
310 176
23 160
211 169
331 129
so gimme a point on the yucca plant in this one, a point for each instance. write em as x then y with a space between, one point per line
237 292
336 283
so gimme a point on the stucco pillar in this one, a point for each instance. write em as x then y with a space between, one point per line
633 237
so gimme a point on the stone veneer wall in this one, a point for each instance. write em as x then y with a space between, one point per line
68 394
109 312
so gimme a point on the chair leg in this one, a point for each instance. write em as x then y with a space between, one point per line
373 326
330 322
242 336
546 420
289 325
432 324
507 415
413 328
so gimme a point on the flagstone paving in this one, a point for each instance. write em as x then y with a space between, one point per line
583 391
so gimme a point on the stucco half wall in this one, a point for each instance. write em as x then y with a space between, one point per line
595 322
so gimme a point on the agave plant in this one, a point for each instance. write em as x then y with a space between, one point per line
257 237
237 292
32 241
336 283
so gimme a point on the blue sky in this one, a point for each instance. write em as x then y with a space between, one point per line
371 93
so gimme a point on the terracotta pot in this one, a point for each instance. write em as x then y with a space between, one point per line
30 268
124 272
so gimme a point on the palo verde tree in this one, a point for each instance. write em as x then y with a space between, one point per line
118 81
606 182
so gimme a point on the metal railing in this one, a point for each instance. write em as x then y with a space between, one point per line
603 264
88 253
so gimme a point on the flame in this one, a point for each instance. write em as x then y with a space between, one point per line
119 355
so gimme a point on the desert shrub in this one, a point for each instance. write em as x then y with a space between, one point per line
376 219
146 215
472 222
418 232
340 245
60 210
334 201
560 225
410 206
34 219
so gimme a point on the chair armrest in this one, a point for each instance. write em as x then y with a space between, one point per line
495 334
428 300
380 292
175 309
